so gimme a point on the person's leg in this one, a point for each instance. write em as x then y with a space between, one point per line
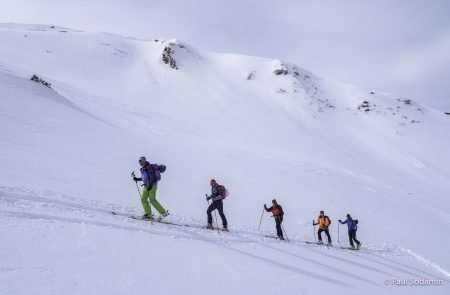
350 237
222 215
144 200
354 237
154 202
319 234
209 211
328 235
278 226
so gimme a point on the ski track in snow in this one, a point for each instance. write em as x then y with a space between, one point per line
21 204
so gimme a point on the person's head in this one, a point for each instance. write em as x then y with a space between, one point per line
348 216
322 213
274 202
142 161
212 182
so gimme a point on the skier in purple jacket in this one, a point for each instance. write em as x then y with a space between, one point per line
352 225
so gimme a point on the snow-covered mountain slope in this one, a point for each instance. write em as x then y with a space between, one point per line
264 128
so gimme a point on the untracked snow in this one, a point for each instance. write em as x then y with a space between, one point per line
264 128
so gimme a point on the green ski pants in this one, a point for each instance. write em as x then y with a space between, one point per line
151 194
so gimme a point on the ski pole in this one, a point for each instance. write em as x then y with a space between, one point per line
285 232
139 191
338 231
314 230
261 219
137 187
215 217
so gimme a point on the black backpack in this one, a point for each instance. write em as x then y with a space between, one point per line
157 170
162 168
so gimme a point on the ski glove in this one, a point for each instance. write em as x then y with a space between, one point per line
340 221
265 207
135 178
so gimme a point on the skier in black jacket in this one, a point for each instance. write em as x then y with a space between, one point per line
217 203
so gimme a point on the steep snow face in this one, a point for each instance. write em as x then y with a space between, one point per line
264 128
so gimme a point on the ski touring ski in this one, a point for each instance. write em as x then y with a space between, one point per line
349 248
151 219
159 221
318 244
274 237
215 228
162 221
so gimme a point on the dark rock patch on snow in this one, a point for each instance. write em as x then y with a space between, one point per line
37 79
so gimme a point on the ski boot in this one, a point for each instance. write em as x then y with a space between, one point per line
281 238
329 244
209 226
147 216
160 217
320 242
358 246
352 247
225 228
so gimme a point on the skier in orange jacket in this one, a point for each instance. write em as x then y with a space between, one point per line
324 222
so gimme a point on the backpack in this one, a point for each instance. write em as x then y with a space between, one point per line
162 168
157 171
223 192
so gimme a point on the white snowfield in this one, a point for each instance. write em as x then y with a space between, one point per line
264 128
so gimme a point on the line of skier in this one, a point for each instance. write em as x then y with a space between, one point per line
151 175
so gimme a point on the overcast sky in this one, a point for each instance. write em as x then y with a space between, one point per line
399 46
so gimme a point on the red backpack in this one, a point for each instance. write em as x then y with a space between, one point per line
223 192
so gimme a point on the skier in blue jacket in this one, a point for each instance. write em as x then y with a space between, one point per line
149 192
352 228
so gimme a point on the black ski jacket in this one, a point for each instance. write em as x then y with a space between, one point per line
215 193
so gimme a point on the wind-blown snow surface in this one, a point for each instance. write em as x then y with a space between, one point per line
264 128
